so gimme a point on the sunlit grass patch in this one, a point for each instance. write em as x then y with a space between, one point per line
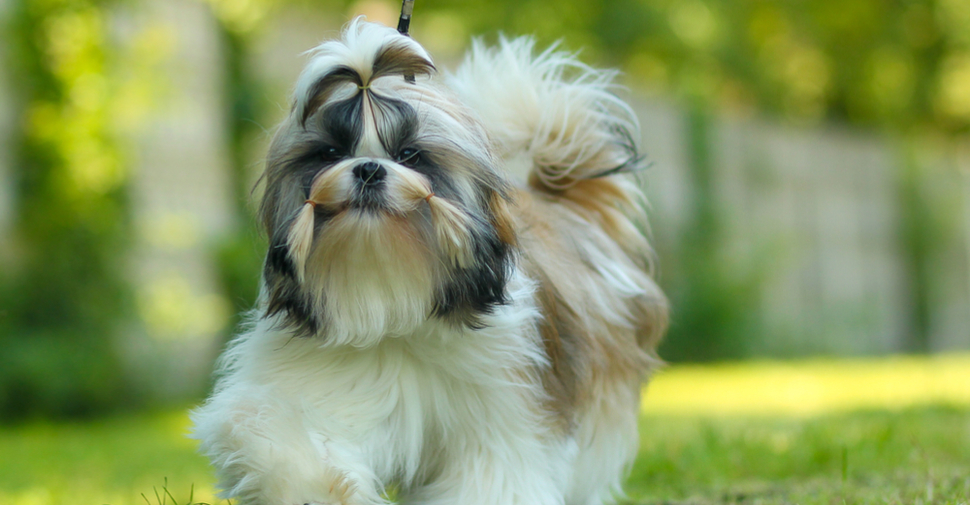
810 387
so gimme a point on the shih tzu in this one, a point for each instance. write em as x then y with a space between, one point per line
426 324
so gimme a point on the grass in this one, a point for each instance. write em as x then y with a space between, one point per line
811 387
112 461
911 456
881 431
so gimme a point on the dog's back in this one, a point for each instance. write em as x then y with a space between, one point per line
581 228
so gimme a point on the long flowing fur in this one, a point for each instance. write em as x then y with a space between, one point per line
433 326
560 113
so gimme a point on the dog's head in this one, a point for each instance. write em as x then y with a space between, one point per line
383 204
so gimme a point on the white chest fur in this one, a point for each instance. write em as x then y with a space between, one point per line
336 424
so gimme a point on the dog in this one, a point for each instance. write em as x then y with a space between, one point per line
432 327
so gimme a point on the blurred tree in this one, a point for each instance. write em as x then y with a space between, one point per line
239 256
64 292
895 64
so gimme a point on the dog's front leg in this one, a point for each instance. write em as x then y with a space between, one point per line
267 452
530 473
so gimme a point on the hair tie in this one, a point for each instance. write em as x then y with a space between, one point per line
311 202
428 198
362 88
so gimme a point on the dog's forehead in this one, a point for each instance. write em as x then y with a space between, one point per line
367 124
364 55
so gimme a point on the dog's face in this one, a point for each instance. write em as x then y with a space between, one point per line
406 212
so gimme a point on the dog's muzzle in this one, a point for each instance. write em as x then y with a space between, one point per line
369 191
370 174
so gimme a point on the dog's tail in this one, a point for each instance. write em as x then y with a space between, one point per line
558 122
550 111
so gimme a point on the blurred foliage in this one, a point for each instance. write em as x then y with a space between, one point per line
239 256
63 291
239 259
896 64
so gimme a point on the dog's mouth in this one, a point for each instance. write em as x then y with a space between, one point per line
369 201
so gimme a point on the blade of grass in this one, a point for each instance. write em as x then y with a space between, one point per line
169 495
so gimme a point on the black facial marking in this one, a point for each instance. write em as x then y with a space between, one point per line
397 130
288 299
340 127
324 86
397 123
278 257
285 294
473 292
433 164
342 124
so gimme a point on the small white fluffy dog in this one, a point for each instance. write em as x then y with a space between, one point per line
425 324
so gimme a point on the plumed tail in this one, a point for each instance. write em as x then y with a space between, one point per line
557 112
560 119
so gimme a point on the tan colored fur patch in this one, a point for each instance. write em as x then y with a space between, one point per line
502 219
589 348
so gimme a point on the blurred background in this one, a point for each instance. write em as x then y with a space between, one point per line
810 178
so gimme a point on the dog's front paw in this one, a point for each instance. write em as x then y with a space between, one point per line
339 492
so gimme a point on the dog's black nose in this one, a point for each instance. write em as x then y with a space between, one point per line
370 172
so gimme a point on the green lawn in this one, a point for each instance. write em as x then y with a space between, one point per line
919 455
905 453
105 462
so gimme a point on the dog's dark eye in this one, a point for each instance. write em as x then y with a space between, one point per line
330 154
409 156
